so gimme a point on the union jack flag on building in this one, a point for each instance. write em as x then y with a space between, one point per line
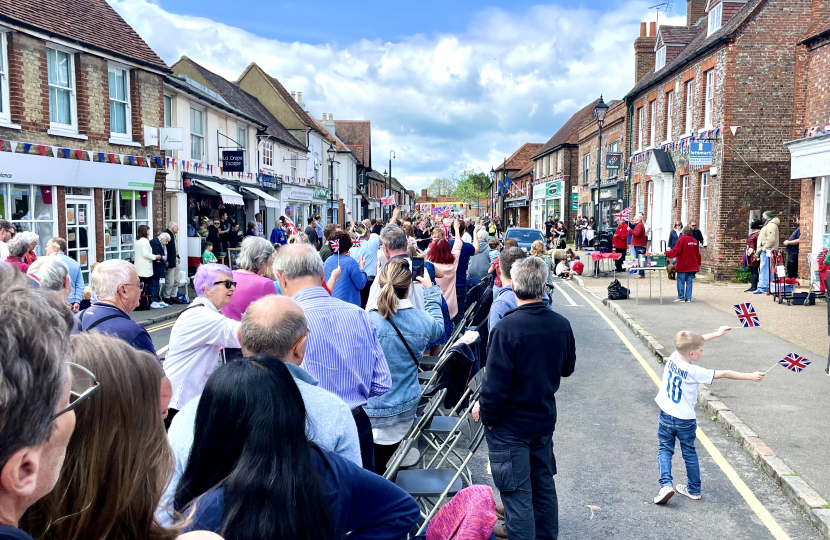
335 246
746 314
793 362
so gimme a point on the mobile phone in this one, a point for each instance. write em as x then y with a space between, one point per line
417 268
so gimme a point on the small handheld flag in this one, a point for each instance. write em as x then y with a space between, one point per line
335 246
623 215
794 362
355 242
746 314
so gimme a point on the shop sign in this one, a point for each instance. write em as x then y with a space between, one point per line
700 153
270 182
233 161
320 193
171 138
574 202
151 136
609 193
515 203
300 194
539 191
554 189
613 160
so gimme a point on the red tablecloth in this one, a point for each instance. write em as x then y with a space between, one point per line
597 256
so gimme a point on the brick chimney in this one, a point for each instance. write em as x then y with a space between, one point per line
644 51
695 10
424 194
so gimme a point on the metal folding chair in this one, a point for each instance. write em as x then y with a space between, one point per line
397 459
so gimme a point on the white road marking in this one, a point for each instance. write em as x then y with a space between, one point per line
162 350
568 298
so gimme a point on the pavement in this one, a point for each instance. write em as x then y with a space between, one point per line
606 449
153 316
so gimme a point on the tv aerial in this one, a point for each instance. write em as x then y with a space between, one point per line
665 7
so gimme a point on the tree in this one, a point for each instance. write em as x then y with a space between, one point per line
472 187
441 187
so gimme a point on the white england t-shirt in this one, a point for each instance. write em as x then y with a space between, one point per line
678 392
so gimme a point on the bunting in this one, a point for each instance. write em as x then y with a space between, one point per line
26 147
13 144
42 149
66 153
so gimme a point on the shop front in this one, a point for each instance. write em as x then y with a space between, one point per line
610 198
271 209
810 162
67 197
320 203
516 212
298 206
547 201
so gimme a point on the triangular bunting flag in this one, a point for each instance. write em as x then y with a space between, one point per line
132 160
42 149
79 154
91 155
100 157
13 144
120 159
26 147
66 152
158 161
54 151
140 161
112 158
733 129
221 171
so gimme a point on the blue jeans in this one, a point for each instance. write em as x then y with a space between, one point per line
763 277
523 472
684 431
684 284
637 252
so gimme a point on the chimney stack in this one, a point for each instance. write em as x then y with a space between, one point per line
695 10
293 95
423 193
644 51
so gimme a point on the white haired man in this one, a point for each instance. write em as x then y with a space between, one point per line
57 246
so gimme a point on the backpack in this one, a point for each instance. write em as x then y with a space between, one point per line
616 291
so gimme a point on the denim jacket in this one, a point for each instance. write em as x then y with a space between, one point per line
419 328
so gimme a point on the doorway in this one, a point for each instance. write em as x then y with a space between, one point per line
80 233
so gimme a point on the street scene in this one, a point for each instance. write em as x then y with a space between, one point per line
547 271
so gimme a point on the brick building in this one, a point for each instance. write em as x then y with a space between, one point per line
732 65
810 148
556 167
76 99
515 203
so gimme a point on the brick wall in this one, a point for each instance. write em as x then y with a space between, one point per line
807 211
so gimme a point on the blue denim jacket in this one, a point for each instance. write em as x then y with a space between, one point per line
419 328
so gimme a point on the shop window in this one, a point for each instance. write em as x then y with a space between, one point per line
168 111
704 204
124 212
197 135
684 202
4 79
60 67
119 90
29 208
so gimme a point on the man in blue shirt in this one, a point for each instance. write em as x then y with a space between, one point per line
368 250
57 247
467 251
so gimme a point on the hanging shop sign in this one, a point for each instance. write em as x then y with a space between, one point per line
233 161
171 138
515 203
574 202
270 182
320 193
613 160
700 153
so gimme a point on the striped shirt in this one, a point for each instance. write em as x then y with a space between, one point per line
343 352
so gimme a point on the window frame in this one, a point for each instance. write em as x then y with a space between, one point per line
294 159
640 128
114 224
5 106
705 184
559 161
652 113
709 100
638 193
668 123
127 136
690 106
684 200
586 165
715 18
660 59
268 154
168 111
202 135
242 133
56 128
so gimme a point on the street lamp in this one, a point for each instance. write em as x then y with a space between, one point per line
600 110
331 152
391 156
492 183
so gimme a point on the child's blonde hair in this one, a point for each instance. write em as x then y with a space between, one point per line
686 342
537 249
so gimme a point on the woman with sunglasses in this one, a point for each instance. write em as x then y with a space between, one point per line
118 459
200 336
270 482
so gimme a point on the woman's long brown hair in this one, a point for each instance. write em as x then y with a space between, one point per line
118 461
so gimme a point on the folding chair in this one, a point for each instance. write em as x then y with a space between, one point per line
430 487
397 459
442 433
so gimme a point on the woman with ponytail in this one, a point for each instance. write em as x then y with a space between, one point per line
403 332
253 474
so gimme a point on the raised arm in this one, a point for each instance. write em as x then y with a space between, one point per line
722 331
758 376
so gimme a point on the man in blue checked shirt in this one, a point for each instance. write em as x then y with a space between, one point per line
57 247
343 352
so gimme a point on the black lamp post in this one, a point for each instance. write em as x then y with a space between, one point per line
391 156
331 152
600 110
492 183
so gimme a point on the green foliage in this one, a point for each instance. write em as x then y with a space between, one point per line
441 187
472 187
741 275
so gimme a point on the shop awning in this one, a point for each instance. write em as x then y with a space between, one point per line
228 195
270 202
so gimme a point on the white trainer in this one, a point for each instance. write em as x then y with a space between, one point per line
155 305
666 493
683 490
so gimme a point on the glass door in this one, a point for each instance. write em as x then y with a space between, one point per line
80 233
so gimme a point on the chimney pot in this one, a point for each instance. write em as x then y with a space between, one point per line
300 95
642 29
652 29
293 94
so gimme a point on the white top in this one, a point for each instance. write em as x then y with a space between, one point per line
678 392
466 237
4 251
196 344
144 258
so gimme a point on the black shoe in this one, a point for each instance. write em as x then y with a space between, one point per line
750 290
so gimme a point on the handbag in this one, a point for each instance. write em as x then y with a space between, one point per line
616 291
412 354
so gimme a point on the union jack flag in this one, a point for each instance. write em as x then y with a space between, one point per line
793 362
746 314
335 246
443 211
355 242
410 241
624 215
292 229
387 200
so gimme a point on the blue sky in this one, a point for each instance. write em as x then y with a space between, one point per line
448 85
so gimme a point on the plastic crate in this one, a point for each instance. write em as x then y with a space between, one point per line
658 260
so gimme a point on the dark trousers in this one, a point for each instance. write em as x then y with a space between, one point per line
753 278
364 292
461 298
383 453
619 262
523 472
792 265
364 435
151 288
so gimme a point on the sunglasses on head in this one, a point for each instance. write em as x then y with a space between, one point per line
84 384
227 283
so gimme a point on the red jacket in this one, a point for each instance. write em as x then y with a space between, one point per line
638 236
687 251
578 268
621 236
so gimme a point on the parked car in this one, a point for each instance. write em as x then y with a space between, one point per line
524 236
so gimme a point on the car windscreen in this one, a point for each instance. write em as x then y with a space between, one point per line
525 237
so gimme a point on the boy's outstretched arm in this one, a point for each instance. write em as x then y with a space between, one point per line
717 333
758 376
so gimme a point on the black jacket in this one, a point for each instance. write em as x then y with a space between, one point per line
530 350
171 250
158 265
698 236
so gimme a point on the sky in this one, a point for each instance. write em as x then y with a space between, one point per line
448 85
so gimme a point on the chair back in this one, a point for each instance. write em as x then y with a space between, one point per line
397 458
476 381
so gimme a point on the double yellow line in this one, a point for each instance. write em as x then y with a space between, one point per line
162 326
733 476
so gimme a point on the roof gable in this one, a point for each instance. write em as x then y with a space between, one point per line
357 135
92 23
521 158
569 132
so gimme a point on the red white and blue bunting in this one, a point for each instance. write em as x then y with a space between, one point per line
683 144
61 152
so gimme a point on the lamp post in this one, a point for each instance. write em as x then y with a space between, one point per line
600 110
492 183
331 152
391 157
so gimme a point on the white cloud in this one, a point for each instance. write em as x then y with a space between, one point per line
443 102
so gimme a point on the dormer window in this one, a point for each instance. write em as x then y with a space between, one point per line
660 61
715 16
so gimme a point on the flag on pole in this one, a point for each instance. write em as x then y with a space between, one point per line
746 314
624 215
795 363
335 246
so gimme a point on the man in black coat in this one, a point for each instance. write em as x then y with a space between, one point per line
171 271
530 349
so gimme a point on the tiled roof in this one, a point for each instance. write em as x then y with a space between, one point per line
569 132
184 86
678 34
248 104
357 135
819 28
330 137
305 118
92 23
699 45
521 157
524 172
